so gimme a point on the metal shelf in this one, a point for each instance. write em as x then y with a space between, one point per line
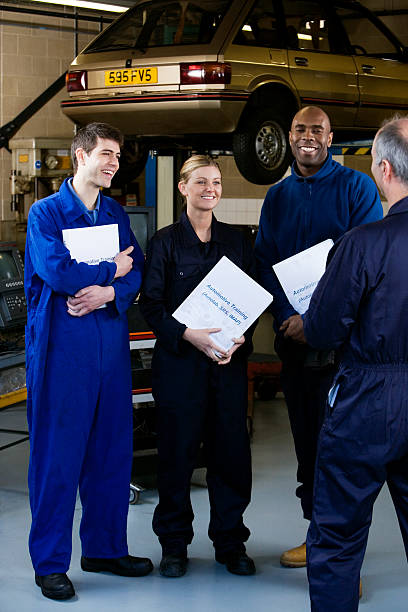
12 359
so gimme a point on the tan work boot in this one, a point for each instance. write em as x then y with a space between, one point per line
295 557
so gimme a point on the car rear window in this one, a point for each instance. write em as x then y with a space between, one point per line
157 24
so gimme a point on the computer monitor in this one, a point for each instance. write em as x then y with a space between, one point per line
11 267
13 309
142 222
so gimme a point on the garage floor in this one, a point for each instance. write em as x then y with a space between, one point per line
273 517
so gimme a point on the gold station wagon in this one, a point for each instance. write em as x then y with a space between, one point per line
229 76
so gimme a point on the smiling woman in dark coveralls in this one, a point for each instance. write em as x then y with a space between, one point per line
200 397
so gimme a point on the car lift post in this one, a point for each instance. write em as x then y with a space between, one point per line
161 179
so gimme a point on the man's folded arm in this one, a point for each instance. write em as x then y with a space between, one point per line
52 260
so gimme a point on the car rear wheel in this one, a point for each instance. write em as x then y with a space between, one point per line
261 146
132 162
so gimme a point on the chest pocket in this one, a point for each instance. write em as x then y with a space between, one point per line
185 278
184 272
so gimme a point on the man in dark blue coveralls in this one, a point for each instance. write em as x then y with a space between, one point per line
320 199
360 307
78 374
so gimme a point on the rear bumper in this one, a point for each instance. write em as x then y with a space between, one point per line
161 115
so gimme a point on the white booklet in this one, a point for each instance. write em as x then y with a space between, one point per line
300 274
93 244
226 298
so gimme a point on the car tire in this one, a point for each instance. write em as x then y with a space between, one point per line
132 163
261 145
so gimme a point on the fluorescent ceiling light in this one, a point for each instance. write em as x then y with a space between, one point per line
97 6
321 24
307 37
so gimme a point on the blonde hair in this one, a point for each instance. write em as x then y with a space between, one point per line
194 162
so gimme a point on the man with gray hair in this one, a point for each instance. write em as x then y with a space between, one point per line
360 307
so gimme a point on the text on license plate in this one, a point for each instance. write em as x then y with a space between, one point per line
130 76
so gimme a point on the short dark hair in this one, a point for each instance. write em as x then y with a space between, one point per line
391 143
87 138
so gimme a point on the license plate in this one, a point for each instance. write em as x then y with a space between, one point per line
130 76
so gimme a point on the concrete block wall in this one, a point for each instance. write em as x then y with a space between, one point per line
241 200
34 51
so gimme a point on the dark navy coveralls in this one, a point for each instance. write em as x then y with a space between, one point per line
78 388
298 213
197 399
360 306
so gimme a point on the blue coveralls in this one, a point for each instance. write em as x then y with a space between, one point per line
298 213
197 400
78 388
360 306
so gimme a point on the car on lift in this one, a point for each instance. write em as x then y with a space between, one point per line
229 75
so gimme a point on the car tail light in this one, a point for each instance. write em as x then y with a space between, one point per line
205 73
77 80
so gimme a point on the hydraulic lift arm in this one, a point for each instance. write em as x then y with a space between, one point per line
8 130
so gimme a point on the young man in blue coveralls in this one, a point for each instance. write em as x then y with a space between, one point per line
78 374
360 307
320 199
